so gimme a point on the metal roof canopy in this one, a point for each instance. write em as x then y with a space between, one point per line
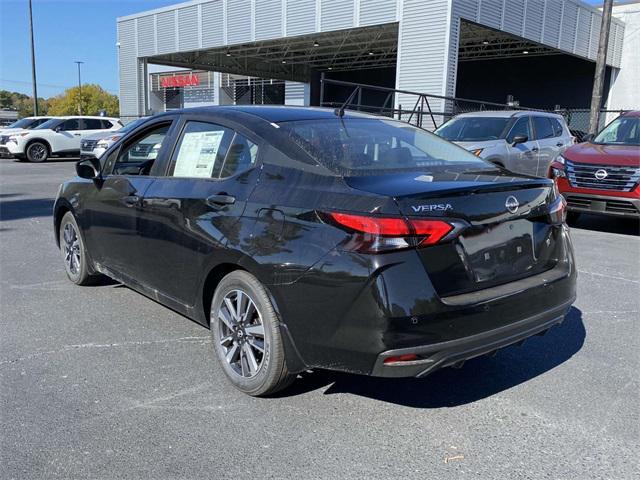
478 42
294 58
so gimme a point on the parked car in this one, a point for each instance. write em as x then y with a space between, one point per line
602 175
57 136
307 238
96 144
26 123
520 141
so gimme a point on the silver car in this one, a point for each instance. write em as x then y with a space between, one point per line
95 145
520 141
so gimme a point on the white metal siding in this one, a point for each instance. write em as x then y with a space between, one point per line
552 19
238 21
336 14
491 13
188 28
212 24
583 31
146 36
569 22
166 34
422 49
301 17
296 93
373 12
268 19
513 17
534 20
128 64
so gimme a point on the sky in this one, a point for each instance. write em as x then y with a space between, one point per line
66 31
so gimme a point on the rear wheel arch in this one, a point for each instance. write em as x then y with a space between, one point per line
213 278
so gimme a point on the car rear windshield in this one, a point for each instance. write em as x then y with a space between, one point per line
353 146
622 131
473 129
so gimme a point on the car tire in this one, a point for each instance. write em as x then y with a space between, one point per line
245 334
572 217
37 152
74 252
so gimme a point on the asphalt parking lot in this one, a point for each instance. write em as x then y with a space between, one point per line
101 382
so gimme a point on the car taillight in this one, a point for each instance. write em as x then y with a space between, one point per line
558 211
379 234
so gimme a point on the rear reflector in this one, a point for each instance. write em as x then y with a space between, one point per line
410 357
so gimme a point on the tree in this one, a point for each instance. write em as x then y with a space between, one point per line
94 100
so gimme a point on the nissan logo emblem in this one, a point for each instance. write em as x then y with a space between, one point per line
512 204
601 174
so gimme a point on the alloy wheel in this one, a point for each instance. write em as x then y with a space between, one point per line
71 249
242 334
37 152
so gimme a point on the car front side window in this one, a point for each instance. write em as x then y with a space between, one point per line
521 127
138 156
71 124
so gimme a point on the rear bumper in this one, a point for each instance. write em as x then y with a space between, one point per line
354 322
456 352
603 204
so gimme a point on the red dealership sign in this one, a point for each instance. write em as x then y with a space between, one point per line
188 80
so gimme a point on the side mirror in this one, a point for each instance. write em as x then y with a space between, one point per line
519 139
88 169
58 128
588 137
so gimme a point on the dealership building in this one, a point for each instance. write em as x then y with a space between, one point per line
539 52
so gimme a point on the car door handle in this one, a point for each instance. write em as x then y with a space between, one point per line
535 149
131 200
77 134
559 144
219 200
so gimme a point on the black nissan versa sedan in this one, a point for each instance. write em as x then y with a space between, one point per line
312 238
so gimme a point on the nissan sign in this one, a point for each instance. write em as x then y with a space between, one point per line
188 80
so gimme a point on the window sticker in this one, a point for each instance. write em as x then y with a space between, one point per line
197 154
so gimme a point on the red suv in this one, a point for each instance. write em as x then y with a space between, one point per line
602 175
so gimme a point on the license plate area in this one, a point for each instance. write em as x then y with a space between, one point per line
499 251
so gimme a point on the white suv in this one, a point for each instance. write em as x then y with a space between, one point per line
58 136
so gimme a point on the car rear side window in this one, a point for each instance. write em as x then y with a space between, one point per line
71 124
241 156
557 127
201 150
543 127
92 124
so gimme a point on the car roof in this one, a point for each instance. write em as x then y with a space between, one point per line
275 113
507 113
66 117
632 113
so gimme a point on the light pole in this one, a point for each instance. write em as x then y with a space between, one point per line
80 87
33 63
601 66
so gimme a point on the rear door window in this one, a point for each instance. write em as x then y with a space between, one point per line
201 150
92 124
543 127
558 130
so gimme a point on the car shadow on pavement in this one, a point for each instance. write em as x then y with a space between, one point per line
601 223
479 378
26 208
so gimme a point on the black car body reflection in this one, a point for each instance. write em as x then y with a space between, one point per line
382 249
